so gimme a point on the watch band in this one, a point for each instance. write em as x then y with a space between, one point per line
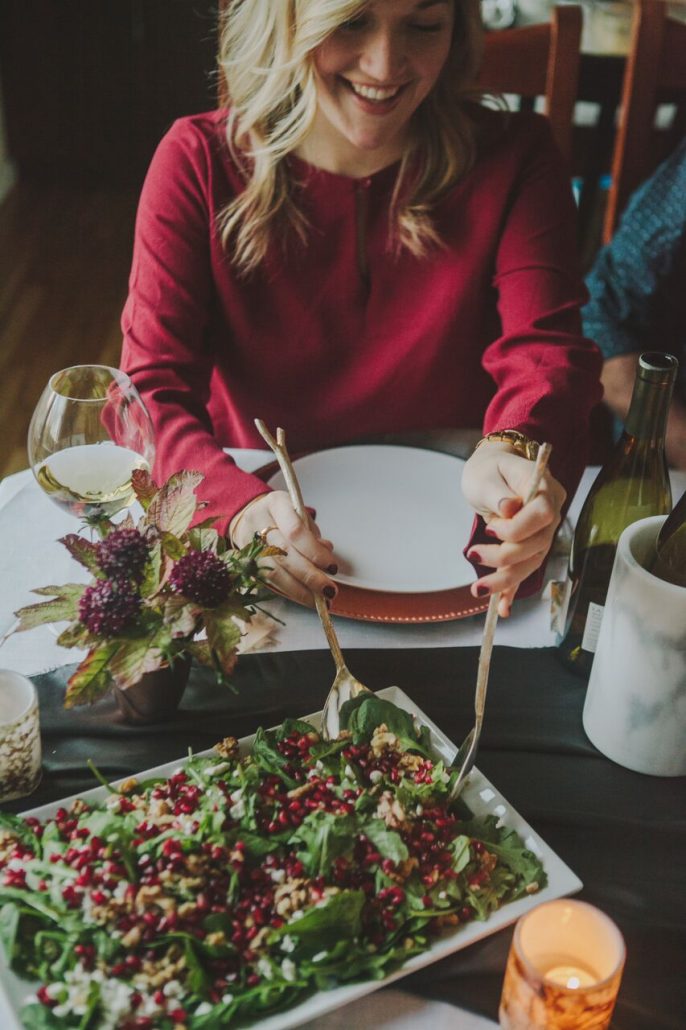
521 444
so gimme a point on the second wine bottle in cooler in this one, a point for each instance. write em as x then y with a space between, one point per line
633 484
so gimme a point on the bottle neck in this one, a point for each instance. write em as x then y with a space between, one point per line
647 417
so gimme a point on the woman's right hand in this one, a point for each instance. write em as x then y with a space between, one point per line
308 563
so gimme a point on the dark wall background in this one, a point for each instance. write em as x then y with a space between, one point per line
90 86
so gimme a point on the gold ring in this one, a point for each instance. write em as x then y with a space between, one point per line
262 534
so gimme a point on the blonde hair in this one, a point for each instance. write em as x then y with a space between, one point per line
266 57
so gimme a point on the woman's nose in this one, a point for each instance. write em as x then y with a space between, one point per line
383 58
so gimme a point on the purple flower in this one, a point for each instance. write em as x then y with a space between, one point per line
123 554
201 577
108 607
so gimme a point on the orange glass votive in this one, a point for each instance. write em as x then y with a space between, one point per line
564 969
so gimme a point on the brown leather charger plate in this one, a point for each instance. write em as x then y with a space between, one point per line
385 606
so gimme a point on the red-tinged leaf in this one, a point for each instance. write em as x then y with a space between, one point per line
173 507
62 608
223 636
143 486
75 635
204 538
200 650
92 678
153 571
180 617
133 659
82 550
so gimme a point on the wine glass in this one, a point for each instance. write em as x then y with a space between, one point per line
89 431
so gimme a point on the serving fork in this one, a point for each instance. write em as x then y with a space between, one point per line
345 686
466 753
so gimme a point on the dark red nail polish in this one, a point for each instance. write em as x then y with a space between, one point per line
482 590
474 555
329 592
490 532
332 569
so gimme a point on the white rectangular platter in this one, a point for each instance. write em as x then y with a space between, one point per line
481 796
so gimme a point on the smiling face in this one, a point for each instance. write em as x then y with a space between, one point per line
372 74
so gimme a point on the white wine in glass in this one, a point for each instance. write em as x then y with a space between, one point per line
90 430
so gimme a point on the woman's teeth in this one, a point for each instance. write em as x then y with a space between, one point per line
374 92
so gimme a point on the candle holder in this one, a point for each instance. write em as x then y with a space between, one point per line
20 744
564 969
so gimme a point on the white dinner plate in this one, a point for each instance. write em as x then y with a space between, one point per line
483 799
396 515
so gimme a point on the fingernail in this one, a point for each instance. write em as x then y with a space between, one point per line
482 590
329 592
475 555
504 501
490 532
332 569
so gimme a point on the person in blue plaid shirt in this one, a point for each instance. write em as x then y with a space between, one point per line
637 292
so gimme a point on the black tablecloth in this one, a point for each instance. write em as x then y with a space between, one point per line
624 834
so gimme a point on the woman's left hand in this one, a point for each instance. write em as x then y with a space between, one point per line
495 481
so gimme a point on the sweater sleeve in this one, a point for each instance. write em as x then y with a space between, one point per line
547 374
165 319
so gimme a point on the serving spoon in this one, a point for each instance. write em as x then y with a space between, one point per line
345 686
466 753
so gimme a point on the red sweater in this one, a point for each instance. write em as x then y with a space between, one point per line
485 332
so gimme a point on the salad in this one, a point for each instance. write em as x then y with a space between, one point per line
238 885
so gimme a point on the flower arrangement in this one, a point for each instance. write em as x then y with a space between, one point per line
161 591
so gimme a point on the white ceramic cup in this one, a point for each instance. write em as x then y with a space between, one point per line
635 709
20 746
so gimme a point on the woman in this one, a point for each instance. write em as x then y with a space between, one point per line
358 247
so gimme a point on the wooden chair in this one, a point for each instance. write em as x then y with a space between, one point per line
539 60
655 73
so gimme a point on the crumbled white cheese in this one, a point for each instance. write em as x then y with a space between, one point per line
375 776
288 969
237 811
277 875
320 956
288 943
264 968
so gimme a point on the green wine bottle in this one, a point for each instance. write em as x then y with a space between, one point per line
633 484
670 547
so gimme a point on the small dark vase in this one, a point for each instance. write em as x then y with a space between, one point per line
156 696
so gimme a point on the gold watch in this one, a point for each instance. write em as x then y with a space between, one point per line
521 444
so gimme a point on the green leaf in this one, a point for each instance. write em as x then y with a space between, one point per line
387 842
39 1017
172 546
324 837
461 853
337 918
133 658
364 713
92 678
174 505
9 929
84 551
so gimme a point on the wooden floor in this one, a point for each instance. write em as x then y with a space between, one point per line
65 254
